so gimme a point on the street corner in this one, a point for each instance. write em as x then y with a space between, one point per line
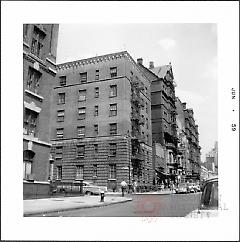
148 205
118 199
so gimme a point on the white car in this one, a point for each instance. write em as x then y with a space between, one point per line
192 187
91 189
182 188
208 206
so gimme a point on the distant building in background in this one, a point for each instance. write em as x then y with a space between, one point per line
183 143
39 71
204 173
193 145
101 122
212 159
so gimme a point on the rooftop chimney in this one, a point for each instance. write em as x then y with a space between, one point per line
151 65
184 105
140 61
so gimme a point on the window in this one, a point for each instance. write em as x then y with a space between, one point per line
62 80
95 129
59 172
146 107
95 170
82 95
147 139
113 110
96 92
113 71
79 171
97 75
28 156
50 172
81 113
60 115
58 152
113 91
61 98
147 123
59 133
37 42
25 30
113 129
83 77
112 171
33 80
80 150
96 111
81 131
30 122
113 149
95 149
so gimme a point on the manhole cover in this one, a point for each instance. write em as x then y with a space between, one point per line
58 200
78 202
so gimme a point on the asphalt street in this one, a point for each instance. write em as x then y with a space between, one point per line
173 205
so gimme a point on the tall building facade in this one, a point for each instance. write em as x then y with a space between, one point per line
101 122
183 144
193 145
163 109
39 71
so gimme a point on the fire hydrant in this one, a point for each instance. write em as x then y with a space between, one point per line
102 196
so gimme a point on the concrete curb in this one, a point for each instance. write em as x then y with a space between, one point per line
74 208
167 193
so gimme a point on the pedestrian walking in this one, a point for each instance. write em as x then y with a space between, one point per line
123 187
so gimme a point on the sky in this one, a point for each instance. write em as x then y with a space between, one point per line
191 48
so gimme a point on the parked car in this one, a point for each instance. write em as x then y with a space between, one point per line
182 188
192 187
198 188
90 189
208 206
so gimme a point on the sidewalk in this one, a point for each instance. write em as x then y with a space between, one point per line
163 192
46 205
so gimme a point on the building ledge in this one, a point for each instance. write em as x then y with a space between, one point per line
36 140
37 59
53 71
32 106
50 61
34 94
24 43
37 182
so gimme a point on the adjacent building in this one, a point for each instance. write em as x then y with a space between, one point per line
188 143
39 71
163 110
101 127
193 145
183 144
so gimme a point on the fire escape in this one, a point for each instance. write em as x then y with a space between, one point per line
137 120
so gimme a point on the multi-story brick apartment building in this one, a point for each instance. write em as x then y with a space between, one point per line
183 145
101 122
193 145
163 111
39 71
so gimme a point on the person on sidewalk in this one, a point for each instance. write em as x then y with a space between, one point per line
123 187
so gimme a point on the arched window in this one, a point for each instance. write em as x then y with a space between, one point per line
28 156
